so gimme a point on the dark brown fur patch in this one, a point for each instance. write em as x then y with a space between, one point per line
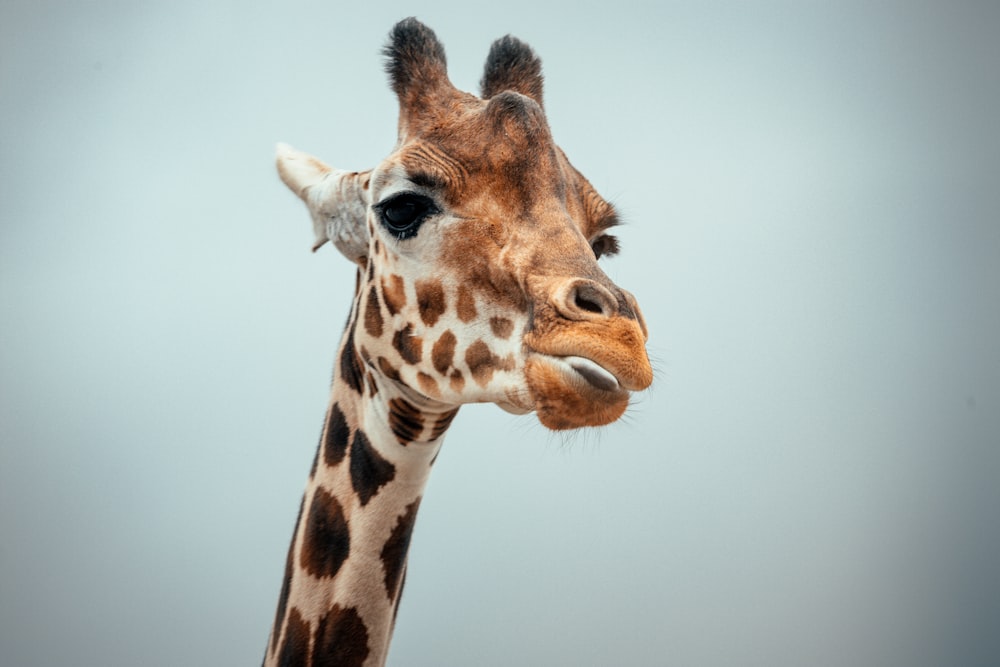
327 539
388 370
457 380
396 547
466 305
442 423
373 314
350 367
341 639
410 347
394 294
286 584
338 433
405 420
295 648
482 362
430 301
443 352
369 471
428 385
502 327
402 584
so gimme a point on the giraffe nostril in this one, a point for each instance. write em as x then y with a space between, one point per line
583 303
583 298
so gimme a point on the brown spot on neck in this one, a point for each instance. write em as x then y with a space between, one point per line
295 647
337 435
428 385
286 585
443 352
369 470
326 540
395 549
457 381
373 314
483 363
341 639
350 364
410 347
388 369
405 421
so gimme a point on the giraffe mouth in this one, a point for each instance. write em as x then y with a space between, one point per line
570 392
598 376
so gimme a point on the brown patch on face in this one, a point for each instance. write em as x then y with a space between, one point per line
457 381
430 301
341 639
443 352
502 327
326 540
395 549
388 369
442 423
394 294
295 649
466 305
373 314
405 421
410 347
428 385
483 363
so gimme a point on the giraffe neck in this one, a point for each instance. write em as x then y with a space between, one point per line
346 564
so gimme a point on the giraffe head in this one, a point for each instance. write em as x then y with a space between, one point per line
477 245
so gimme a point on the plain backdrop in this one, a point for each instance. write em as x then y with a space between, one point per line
812 197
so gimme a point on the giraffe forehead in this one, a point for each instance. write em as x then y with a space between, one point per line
496 143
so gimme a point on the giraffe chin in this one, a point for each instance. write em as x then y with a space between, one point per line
573 392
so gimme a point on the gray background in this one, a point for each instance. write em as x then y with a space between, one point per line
813 199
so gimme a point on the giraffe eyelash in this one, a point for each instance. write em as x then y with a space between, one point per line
605 245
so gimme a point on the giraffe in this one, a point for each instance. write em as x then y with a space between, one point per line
476 245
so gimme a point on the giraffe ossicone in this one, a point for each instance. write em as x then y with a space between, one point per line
477 247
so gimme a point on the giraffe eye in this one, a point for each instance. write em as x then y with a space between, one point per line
605 245
403 214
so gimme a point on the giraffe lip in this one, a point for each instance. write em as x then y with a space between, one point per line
596 375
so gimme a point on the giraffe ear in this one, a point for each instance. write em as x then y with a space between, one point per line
512 65
418 71
337 200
